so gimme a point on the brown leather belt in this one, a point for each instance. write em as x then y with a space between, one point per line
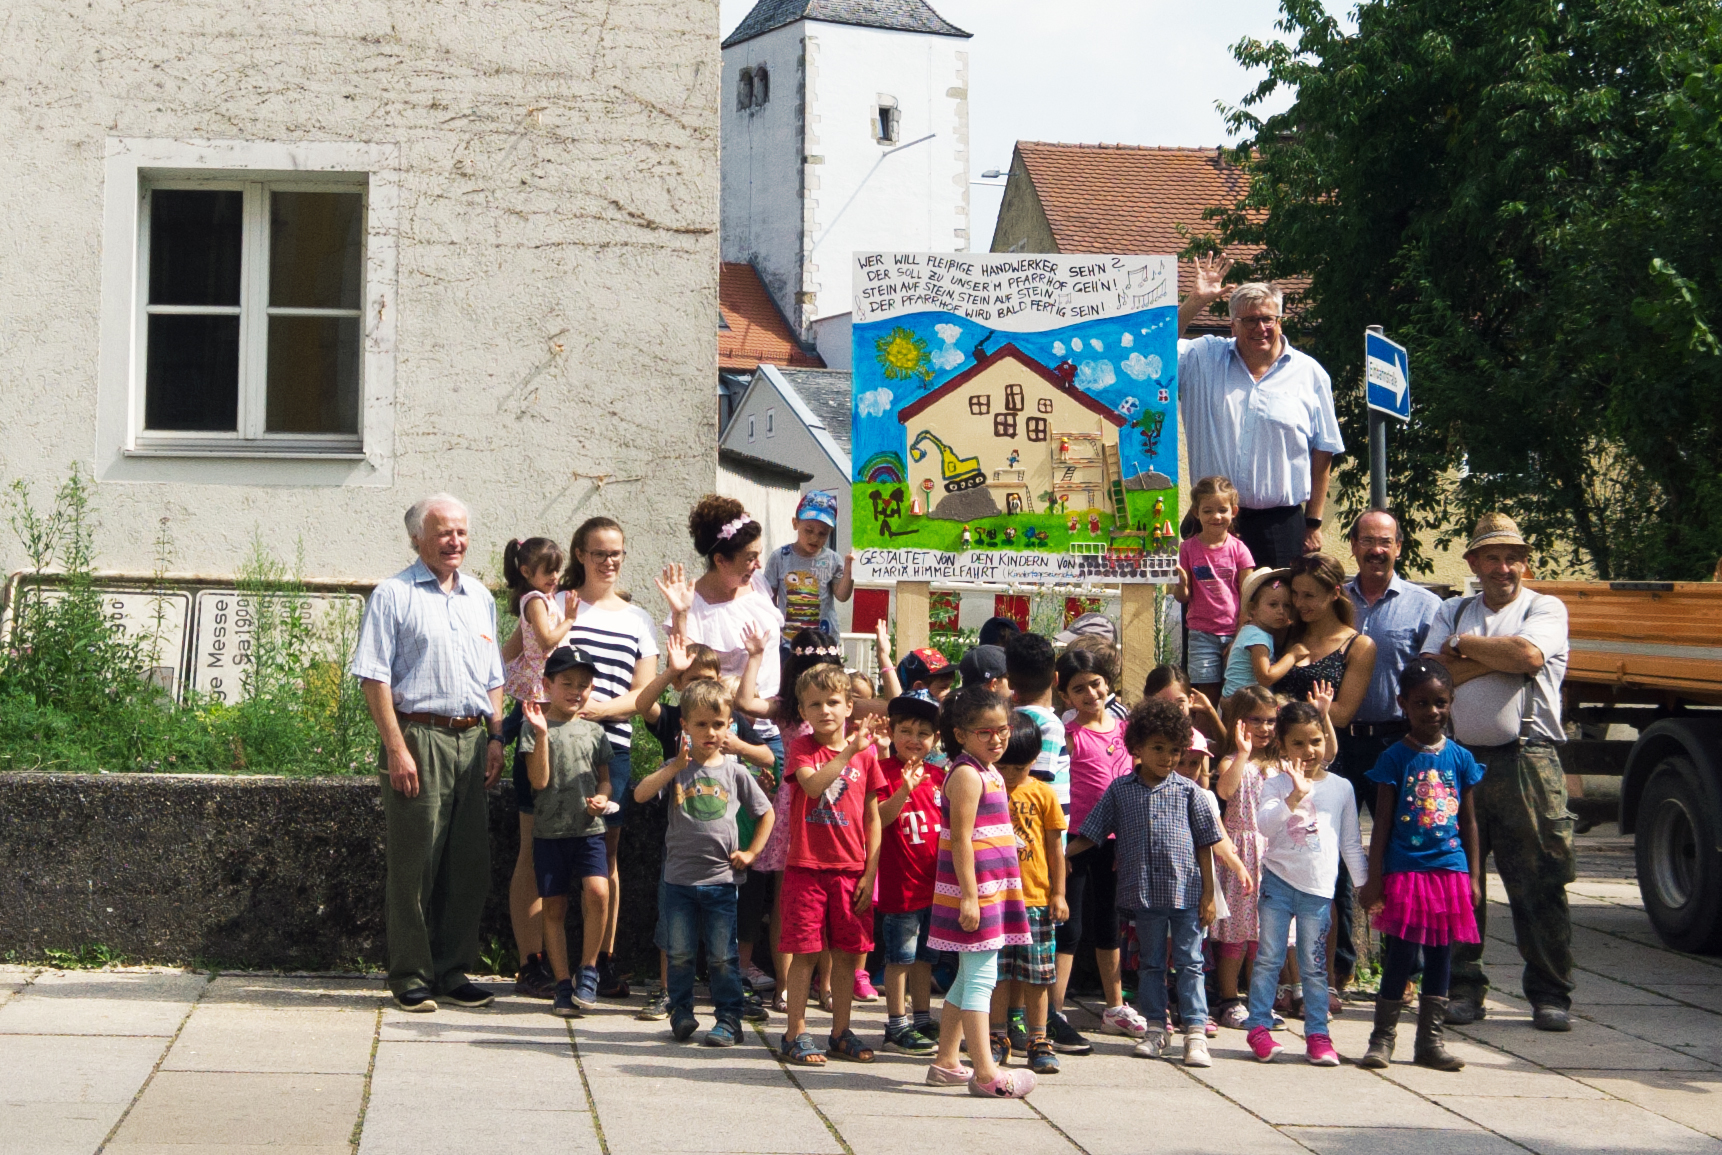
443 721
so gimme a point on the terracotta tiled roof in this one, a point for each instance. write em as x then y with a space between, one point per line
1123 198
753 330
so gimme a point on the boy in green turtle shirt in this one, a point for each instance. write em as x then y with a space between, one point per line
703 859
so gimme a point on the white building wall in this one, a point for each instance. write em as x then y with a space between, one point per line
762 164
555 309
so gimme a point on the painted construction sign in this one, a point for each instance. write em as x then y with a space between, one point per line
1015 418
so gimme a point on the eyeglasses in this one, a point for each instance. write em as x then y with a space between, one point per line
989 732
603 555
1258 322
1267 721
1377 542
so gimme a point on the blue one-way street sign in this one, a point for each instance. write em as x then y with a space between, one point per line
1388 371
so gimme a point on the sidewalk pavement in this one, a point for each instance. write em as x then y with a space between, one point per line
161 1062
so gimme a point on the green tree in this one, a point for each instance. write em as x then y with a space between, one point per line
1521 191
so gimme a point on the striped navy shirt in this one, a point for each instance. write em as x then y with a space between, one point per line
617 640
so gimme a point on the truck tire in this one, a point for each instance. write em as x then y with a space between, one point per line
1679 865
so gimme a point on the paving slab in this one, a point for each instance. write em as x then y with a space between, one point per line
421 1078
1588 1046
1487 1073
240 1037
56 1128
1583 1126
510 1020
881 1135
1291 1092
75 1069
311 992
1185 1117
231 1111
101 1003
1692 1100
1684 1028
438 1132
1707 997
1400 1141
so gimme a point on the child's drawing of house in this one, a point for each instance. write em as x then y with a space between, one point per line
1007 432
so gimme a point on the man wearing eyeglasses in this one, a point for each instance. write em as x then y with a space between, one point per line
1397 616
1259 412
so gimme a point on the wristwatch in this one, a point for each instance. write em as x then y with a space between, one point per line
1453 643
1312 522
495 737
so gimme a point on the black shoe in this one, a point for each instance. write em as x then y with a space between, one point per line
753 1009
1550 1018
610 984
683 1025
469 994
1463 1011
534 980
419 1000
1016 1030
1066 1039
930 1029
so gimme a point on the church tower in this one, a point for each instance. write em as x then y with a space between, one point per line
845 127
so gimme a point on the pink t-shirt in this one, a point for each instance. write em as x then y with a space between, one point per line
1214 575
1096 759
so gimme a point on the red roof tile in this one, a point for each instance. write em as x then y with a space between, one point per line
1123 198
756 331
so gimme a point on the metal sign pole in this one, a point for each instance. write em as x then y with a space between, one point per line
1377 447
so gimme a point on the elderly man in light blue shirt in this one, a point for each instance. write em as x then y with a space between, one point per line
432 673
1259 412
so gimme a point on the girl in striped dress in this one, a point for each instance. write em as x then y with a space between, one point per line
977 895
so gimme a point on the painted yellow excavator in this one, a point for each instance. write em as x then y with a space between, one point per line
959 472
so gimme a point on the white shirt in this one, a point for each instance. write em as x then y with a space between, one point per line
1258 433
1487 710
1303 846
617 640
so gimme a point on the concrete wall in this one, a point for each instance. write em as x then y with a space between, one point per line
1021 226
807 182
556 208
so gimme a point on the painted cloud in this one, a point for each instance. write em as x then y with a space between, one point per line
874 403
1095 375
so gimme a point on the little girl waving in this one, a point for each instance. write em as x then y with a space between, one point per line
977 894
1247 763
1425 865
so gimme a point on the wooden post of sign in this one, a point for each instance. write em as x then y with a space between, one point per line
1137 632
914 616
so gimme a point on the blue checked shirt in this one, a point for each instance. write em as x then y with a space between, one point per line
1158 832
1399 624
437 651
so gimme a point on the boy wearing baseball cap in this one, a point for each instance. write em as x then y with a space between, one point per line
807 577
568 764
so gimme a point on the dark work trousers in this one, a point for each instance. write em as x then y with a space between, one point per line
1275 536
1522 818
1359 747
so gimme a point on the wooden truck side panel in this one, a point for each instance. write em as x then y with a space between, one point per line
1636 643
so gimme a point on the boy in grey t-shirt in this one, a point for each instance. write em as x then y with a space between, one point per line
807 577
568 764
703 861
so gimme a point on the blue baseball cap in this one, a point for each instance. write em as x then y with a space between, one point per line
818 505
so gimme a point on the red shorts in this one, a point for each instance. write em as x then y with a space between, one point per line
818 913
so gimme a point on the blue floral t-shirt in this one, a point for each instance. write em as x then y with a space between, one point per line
1426 820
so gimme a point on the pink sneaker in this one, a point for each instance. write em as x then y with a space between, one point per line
1318 1049
864 991
1263 1043
956 1076
1123 1020
1007 1084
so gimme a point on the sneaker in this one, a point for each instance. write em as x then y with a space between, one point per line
1066 1039
909 1041
1016 1030
418 1001
1041 1059
534 980
864 991
562 1000
928 1029
610 984
1123 1021
723 1034
1335 1002
586 988
956 1076
1196 1050
1544 1018
657 1008
1001 1048
1152 1046
753 1009
683 1025
1318 1049
1263 1043
1210 1029
1462 1012
1234 1015
757 980
469 995
1005 1085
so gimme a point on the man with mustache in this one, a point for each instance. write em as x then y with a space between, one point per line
1397 615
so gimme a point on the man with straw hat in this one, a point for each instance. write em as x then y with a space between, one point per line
1506 648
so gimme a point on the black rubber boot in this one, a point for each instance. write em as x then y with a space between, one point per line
1381 1039
1431 1023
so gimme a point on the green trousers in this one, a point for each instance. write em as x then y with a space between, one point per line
438 857
1522 818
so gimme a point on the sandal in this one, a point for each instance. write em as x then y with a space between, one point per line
800 1051
848 1046
825 1002
780 1004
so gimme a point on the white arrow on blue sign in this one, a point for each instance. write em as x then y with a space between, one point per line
1388 371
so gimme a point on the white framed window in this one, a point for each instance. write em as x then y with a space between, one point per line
248 312
887 120
250 293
